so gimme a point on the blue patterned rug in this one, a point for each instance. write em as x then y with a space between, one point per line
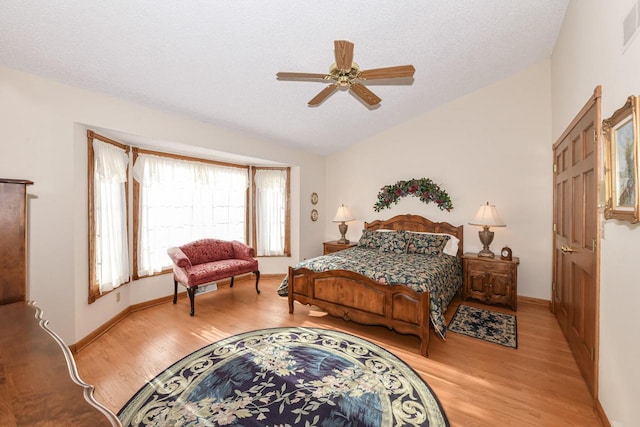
485 324
286 377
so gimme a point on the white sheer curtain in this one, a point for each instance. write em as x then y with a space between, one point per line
182 201
271 199
110 213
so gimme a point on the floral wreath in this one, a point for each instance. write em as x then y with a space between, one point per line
423 188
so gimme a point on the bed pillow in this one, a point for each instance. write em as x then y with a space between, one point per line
369 239
451 248
428 244
394 242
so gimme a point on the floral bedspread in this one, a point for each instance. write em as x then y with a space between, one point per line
439 274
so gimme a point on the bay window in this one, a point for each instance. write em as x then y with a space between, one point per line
176 199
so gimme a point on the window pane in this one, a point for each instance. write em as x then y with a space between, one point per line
271 211
110 215
182 201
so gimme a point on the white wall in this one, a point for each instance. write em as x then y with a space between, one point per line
491 145
589 53
43 139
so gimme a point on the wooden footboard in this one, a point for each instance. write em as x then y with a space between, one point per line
357 298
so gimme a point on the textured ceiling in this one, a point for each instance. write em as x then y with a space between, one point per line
216 61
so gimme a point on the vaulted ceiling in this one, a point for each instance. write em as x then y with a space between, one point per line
216 61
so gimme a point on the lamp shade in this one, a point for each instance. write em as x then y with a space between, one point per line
487 215
343 214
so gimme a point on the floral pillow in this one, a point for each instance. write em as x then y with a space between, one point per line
428 244
369 239
393 242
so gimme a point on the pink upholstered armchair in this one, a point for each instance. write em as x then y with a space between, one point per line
207 260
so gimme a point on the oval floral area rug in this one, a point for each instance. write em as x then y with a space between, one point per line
286 377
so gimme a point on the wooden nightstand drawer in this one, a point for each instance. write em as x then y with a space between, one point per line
334 246
489 267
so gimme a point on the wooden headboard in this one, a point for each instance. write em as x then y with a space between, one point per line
410 222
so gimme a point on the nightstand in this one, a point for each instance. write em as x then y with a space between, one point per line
334 246
490 280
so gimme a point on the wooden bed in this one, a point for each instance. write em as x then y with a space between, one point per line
357 298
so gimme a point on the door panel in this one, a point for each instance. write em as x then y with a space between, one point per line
577 211
575 272
591 211
501 288
478 285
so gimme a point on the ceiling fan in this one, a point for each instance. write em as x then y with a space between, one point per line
346 73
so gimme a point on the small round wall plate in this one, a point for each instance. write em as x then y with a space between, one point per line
314 198
314 215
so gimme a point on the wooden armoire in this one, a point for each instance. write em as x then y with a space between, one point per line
13 245
45 388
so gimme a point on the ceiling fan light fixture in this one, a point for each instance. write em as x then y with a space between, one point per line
346 74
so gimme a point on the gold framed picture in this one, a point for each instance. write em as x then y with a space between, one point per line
621 162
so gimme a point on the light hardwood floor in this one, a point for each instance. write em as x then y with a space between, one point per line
477 383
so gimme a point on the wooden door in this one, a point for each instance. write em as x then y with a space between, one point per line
575 286
13 254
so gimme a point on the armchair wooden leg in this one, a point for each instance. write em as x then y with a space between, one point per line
257 273
175 290
231 285
192 296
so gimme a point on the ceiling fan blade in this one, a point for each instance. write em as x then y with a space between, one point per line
344 54
286 75
324 94
388 72
365 94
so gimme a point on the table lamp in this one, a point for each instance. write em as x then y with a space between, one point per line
343 215
487 216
